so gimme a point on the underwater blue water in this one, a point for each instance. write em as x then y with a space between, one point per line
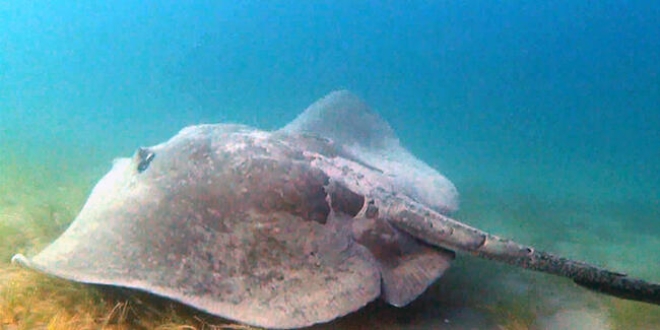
559 100
515 84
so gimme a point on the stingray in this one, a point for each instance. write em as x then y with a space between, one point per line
286 228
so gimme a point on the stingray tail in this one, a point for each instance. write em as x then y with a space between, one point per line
439 230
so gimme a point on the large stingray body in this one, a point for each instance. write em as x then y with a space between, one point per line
288 228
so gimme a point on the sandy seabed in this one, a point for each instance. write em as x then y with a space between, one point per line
38 200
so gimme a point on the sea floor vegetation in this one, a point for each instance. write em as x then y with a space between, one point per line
37 203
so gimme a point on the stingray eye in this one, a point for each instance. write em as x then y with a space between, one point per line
145 156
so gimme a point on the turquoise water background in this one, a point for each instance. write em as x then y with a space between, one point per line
544 114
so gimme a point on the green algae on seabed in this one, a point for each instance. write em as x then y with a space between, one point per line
30 301
38 202
35 207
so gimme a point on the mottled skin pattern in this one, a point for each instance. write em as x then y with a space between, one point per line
289 228
240 223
